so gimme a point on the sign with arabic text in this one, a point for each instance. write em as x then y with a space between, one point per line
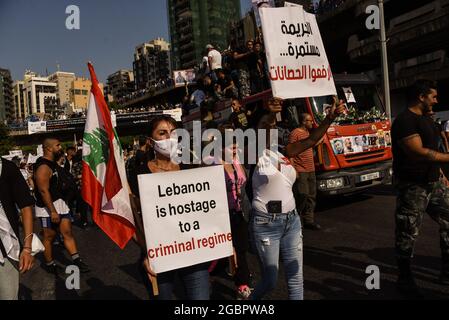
297 60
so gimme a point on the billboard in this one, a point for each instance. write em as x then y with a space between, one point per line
183 77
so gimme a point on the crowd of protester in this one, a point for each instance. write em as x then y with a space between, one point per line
267 203
161 84
235 73
325 6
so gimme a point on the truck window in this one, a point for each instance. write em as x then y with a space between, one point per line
291 111
363 102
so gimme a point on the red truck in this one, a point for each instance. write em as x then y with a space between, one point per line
356 151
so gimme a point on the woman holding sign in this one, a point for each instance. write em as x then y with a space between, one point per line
235 177
275 226
195 278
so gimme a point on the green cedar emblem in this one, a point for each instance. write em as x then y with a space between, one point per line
99 148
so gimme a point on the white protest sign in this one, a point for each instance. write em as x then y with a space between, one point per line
174 113
35 127
8 157
32 159
297 60
349 95
40 151
16 153
290 4
185 217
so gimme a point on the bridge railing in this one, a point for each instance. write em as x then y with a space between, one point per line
77 123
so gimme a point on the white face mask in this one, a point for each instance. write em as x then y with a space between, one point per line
168 147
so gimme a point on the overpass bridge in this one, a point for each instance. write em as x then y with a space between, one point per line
135 123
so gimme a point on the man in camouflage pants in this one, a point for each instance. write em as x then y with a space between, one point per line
416 165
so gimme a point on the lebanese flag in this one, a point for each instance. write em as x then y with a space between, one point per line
104 184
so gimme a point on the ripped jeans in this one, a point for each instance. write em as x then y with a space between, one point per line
272 235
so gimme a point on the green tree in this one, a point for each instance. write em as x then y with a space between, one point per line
114 106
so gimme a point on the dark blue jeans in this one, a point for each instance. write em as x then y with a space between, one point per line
273 235
194 278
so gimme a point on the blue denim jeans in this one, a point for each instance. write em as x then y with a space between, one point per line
272 235
194 278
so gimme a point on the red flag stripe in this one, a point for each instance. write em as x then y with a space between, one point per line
118 229
113 184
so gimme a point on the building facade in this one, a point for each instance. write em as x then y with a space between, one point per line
418 45
20 111
40 95
119 84
151 63
64 82
6 96
196 23
80 94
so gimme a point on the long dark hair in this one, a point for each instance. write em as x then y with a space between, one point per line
158 119
154 122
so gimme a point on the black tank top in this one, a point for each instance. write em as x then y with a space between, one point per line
54 192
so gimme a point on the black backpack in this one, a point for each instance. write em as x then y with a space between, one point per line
66 185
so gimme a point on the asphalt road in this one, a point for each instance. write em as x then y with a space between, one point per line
358 231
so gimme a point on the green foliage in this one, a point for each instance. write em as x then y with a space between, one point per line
357 117
114 106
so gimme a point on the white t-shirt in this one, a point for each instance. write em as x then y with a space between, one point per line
270 184
60 206
216 59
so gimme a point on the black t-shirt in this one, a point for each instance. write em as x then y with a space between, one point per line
225 82
242 63
141 157
54 192
252 62
14 191
405 167
239 120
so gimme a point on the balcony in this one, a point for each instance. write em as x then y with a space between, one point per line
187 47
413 33
433 65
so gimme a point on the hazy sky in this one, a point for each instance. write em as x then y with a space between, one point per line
33 34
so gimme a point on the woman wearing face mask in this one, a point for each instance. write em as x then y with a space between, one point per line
195 278
275 227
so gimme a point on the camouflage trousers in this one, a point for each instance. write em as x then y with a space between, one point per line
413 201
244 83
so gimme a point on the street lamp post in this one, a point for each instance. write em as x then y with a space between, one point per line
383 42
